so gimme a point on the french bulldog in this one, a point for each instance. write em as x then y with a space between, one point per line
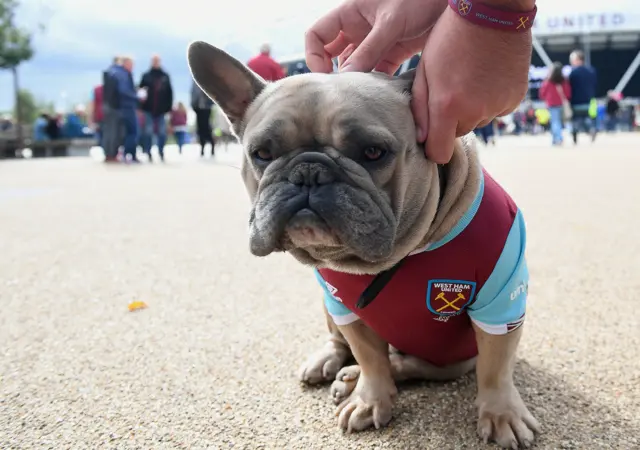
422 266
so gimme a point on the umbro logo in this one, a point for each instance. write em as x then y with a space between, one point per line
333 291
521 289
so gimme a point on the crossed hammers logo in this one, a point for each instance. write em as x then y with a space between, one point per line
448 303
464 6
522 22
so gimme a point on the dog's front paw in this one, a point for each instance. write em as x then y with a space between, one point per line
504 418
344 383
324 364
369 404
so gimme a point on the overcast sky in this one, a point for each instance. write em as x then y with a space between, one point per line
81 36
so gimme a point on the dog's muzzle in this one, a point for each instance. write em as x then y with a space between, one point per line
312 204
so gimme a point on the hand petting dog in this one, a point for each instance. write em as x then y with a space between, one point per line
468 74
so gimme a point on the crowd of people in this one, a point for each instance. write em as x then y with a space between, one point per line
131 115
571 101
54 126
567 103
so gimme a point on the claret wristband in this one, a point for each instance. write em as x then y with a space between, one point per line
481 14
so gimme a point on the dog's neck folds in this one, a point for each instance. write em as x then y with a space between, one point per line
463 177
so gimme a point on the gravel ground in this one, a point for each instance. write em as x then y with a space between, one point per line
212 362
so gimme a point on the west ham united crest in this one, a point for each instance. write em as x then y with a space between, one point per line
464 7
449 297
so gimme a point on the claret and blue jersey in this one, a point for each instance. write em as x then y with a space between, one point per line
477 273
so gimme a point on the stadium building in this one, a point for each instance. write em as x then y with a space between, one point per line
607 32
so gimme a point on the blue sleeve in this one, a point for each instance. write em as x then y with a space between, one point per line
341 314
501 303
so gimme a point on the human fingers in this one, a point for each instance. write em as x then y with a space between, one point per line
377 43
338 46
321 34
345 54
441 135
394 58
420 103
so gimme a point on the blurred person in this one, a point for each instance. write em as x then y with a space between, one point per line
543 117
111 129
612 110
601 116
53 127
265 66
518 122
6 123
487 133
556 93
97 112
40 128
127 106
179 125
157 102
202 105
583 80
75 125
140 142
530 119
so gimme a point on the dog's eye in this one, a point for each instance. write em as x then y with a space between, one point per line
263 154
374 153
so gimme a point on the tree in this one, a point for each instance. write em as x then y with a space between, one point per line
29 108
15 48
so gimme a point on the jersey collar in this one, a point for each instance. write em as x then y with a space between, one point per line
464 221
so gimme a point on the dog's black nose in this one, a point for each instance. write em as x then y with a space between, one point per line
311 174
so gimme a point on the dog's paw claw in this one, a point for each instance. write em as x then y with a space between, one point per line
344 383
508 422
323 365
368 405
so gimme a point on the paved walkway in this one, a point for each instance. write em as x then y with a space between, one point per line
212 362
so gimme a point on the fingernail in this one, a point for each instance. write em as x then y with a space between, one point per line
420 134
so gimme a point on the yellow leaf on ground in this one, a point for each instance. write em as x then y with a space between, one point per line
134 306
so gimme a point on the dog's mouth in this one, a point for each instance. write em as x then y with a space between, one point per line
308 231
316 211
323 223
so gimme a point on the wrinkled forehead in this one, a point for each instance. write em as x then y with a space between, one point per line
326 107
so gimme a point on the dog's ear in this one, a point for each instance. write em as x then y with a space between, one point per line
405 80
227 81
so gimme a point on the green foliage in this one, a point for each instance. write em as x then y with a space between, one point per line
15 42
29 109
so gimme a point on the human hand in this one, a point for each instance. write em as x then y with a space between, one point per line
467 76
371 34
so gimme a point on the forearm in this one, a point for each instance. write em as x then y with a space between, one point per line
511 5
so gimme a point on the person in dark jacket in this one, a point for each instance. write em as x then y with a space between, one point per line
127 106
157 103
613 111
583 80
202 105
53 129
111 130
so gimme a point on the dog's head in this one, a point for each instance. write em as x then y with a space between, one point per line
331 162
